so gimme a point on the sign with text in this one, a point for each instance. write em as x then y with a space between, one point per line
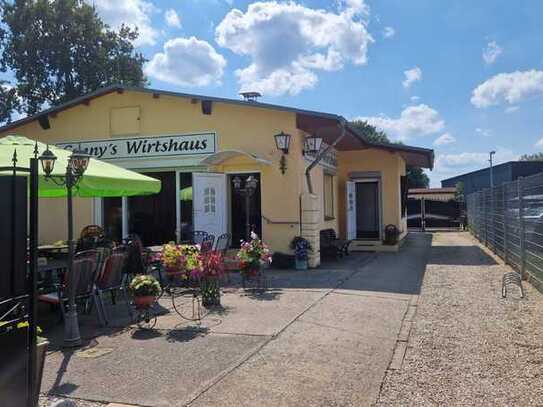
146 147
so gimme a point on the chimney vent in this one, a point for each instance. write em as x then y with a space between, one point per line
250 96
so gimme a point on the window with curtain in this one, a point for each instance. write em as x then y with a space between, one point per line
328 196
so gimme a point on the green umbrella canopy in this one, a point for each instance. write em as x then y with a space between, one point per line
101 179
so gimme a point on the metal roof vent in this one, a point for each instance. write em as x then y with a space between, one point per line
250 96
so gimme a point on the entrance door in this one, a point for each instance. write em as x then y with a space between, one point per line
367 210
238 210
153 217
209 202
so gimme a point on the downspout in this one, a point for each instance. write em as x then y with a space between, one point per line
320 155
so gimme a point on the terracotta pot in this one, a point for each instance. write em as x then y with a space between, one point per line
174 272
143 301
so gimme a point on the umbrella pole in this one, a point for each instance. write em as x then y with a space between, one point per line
72 338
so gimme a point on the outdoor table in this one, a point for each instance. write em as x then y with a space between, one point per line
51 272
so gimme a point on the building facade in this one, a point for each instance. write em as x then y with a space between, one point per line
198 145
501 173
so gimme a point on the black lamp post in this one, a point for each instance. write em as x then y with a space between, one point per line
248 191
77 165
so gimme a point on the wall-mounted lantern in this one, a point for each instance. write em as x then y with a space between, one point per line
312 145
282 141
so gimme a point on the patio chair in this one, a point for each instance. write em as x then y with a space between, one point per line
111 279
198 236
223 243
207 244
83 274
137 255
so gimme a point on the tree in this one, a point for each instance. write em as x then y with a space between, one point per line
459 193
370 132
60 49
416 178
9 103
532 157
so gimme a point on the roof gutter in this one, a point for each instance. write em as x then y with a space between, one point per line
320 155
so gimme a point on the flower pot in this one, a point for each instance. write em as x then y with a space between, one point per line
174 272
144 301
301 264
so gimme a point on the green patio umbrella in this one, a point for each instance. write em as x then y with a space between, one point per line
101 179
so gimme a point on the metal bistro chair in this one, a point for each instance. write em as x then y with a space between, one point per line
207 244
111 280
198 236
83 274
223 243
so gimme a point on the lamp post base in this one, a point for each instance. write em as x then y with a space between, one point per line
72 338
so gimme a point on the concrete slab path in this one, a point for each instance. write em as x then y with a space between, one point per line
318 338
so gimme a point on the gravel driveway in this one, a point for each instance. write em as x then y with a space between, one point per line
469 347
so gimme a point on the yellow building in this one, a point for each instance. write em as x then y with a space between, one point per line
198 145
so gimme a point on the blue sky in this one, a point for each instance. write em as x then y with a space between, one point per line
462 77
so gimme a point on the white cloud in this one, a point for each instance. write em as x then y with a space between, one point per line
539 143
414 98
483 132
132 13
412 76
469 161
491 52
287 43
512 109
172 18
389 32
444 139
508 88
187 62
417 120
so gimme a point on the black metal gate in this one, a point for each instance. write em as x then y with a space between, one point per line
427 213
18 259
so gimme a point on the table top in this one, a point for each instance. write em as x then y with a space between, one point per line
52 247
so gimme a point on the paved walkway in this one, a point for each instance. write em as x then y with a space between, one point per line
468 346
318 338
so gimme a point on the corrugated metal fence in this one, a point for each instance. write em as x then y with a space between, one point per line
509 220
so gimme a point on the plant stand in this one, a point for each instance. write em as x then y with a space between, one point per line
254 275
210 291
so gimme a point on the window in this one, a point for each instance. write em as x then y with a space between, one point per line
209 200
328 197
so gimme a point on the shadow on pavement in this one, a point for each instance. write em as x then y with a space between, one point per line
460 256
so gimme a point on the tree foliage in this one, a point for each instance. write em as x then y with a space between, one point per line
532 157
9 102
370 132
416 178
60 49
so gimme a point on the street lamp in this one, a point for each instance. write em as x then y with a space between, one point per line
248 191
77 165
491 169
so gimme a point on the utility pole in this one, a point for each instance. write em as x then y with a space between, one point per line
491 169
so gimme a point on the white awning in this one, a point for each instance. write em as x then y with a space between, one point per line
222 156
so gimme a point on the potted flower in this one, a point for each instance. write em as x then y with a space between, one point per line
173 260
252 256
145 289
211 271
301 247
